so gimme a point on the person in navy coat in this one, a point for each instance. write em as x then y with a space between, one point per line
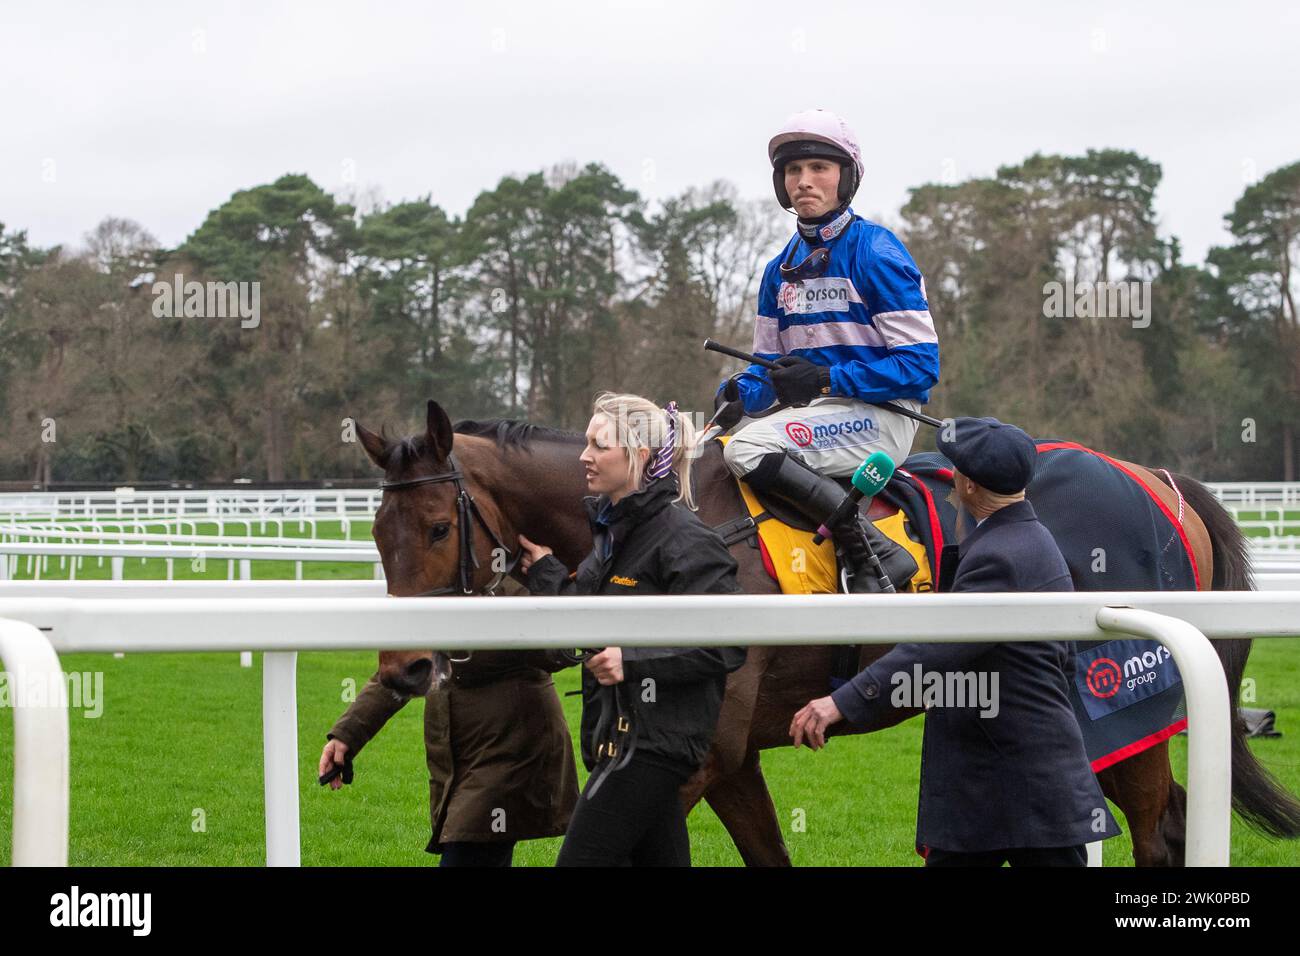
1004 774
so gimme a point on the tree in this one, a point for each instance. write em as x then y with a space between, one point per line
546 264
284 236
1260 271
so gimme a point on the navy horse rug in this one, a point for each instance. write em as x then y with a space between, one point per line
1116 535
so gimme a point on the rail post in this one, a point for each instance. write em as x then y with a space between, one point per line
1209 727
40 819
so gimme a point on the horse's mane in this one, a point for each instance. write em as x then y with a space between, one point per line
507 433
514 434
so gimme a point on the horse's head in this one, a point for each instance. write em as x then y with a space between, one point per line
426 534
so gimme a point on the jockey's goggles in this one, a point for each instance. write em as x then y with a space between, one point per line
810 268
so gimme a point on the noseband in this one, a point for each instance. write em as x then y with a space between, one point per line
466 513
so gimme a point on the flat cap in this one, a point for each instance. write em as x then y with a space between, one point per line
992 454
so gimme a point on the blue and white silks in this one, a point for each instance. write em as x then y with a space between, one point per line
866 318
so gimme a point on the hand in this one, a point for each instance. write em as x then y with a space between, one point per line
532 552
333 756
730 392
809 725
728 408
798 381
607 666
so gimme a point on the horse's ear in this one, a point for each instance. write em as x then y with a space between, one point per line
438 431
374 446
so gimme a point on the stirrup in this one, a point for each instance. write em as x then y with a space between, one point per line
896 564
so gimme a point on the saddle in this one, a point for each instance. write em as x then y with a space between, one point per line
783 535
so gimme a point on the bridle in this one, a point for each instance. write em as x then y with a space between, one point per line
467 513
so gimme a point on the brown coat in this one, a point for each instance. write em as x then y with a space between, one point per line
500 756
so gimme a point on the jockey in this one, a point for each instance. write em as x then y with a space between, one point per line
843 311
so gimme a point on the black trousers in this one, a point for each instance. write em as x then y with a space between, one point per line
635 819
477 854
1024 856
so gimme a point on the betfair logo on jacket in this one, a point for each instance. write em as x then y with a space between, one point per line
827 294
622 581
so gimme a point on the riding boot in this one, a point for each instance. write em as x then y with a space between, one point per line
816 496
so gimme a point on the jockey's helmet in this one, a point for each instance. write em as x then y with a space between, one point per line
817 134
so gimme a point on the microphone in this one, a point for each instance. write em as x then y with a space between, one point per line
870 479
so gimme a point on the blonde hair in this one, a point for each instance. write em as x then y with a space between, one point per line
640 423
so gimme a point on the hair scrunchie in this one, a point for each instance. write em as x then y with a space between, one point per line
662 463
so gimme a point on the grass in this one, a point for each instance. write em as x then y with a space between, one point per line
171 772
178 745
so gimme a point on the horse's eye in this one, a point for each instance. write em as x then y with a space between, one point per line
439 531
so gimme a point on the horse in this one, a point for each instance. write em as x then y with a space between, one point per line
457 497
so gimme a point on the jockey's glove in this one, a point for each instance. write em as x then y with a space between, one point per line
728 407
798 381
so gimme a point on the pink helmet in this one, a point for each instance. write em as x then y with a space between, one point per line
816 134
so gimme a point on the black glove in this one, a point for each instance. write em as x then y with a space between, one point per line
798 381
344 770
727 405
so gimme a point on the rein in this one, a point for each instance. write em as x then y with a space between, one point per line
467 512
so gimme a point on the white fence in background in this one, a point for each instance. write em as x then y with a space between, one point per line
126 503
1284 545
47 533
281 627
1253 495
1249 496
143 524
39 554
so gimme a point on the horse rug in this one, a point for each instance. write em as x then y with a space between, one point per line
1116 535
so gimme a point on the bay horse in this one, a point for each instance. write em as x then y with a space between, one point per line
525 478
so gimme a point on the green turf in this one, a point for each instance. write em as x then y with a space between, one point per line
180 733
179 745
1270 515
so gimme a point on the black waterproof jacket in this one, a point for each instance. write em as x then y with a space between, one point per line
647 544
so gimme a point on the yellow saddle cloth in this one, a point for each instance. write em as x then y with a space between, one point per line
805 568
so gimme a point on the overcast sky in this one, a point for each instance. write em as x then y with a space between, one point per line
159 111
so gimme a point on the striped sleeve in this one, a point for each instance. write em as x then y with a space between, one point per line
895 294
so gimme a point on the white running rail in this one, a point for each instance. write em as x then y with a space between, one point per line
280 627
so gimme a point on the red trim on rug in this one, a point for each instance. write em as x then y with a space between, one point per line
936 529
1173 519
1137 746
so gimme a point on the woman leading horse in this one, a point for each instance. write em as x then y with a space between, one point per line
648 713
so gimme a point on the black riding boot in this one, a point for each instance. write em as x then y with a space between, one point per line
816 496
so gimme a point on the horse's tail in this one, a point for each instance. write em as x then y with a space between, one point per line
1262 802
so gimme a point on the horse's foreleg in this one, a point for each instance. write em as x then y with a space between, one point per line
745 807
1153 805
